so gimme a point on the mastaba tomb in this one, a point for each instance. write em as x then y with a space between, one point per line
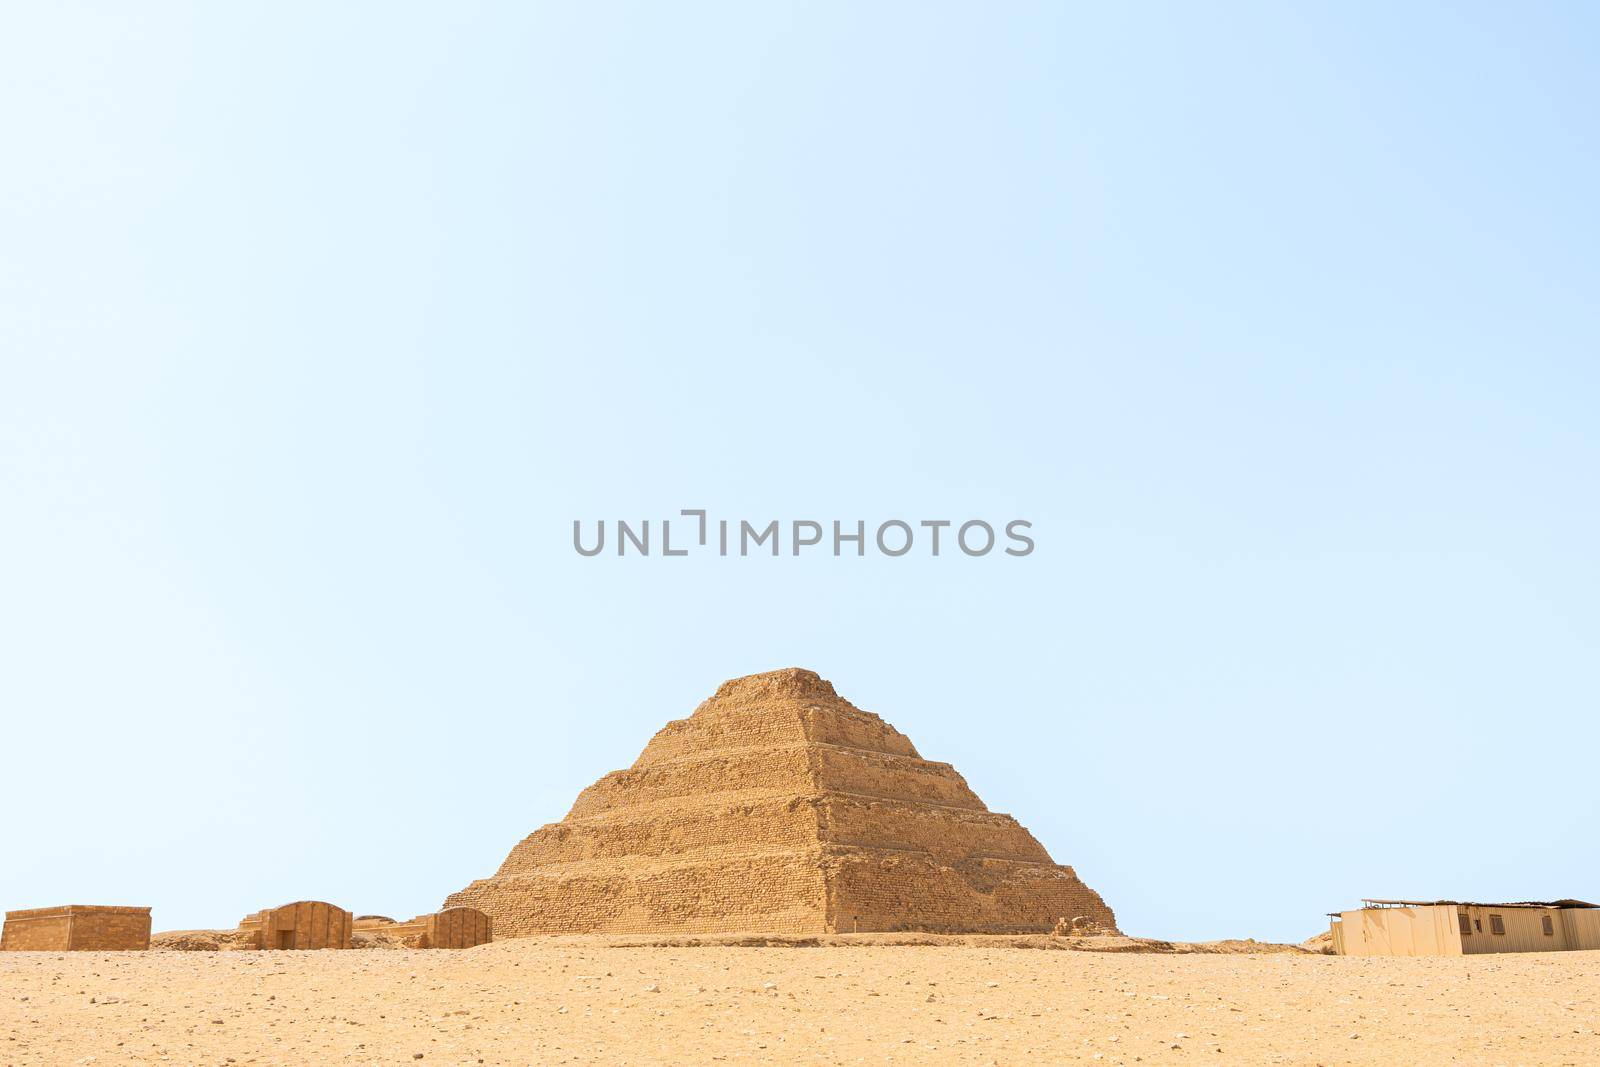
304 924
778 807
76 928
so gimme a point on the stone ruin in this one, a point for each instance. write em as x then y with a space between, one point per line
450 928
778 807
76 928
305 924
1078 926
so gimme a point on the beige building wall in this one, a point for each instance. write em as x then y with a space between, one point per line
1582 926
1531 929
1464 929
1421 931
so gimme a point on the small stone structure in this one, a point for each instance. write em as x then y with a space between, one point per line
305 924
76 928
450 928
1077 926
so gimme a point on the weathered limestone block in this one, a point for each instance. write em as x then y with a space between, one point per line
778 807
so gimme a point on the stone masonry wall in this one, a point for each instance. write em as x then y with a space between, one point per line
779 893
881 890
450 928
304 924
458 928
77 928
35 930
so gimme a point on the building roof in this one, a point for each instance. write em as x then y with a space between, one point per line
1374 902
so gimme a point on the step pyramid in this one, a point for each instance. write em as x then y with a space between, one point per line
778 807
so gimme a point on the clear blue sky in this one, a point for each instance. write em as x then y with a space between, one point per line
320 323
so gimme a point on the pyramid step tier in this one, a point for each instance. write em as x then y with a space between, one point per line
795 768
833 888
880 890
776 893
759 823
726 727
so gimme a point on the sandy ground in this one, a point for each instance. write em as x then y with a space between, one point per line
589 1001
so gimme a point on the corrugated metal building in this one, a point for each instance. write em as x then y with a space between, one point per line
1464 928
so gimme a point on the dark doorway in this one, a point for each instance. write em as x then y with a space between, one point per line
286 939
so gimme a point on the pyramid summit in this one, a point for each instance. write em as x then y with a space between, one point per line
779 807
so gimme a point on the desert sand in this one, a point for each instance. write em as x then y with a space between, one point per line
616 1001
